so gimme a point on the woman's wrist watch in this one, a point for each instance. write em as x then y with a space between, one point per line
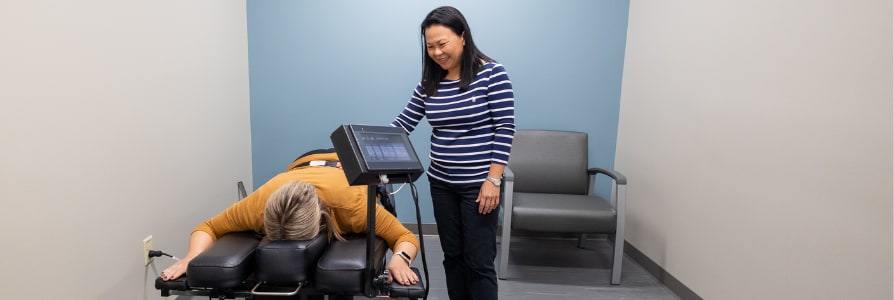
405 256
495 181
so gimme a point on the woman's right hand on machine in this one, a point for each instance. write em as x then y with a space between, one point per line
400 272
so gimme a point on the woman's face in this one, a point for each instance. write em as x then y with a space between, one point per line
446 48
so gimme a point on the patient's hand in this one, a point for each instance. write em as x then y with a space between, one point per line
399 271
174 271
198 242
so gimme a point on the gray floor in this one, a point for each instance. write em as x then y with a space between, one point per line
554 268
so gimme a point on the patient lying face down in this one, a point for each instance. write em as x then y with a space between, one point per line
310 197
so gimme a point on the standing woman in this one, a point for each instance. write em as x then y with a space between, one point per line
468 100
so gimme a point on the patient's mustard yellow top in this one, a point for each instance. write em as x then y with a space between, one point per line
347 204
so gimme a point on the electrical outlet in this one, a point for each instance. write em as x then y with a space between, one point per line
147 245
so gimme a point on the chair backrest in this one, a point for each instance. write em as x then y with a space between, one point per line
549 161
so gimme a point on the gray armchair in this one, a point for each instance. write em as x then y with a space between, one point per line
548 187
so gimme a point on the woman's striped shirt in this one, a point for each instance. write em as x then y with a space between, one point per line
470 129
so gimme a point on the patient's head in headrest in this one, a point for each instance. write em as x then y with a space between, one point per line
294 212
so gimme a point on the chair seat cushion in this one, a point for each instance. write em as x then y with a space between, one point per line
562 213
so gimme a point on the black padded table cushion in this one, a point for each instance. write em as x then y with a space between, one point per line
341 269
226 264
416 291
179 284
289 262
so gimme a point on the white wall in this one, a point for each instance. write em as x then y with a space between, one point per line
757 137
118 119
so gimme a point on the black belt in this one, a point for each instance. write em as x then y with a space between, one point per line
327 163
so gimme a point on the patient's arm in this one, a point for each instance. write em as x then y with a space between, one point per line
241 216
399 269
199 241
401 239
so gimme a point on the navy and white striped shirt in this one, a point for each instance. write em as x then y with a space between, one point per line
470 130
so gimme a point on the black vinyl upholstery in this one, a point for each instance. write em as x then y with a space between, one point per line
226 264
178 284
341 269
416 291
336 267
289 262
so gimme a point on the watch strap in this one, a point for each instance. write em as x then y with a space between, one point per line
404 256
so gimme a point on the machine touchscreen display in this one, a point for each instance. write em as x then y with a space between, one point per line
366 152
382 147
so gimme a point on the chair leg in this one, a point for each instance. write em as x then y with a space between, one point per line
617 259
503 273
506 236
621 208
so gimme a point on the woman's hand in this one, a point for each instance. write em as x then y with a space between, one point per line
174 271
488 197
198 242
399 271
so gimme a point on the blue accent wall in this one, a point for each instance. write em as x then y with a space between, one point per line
315 65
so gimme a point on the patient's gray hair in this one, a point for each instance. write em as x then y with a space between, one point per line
294 212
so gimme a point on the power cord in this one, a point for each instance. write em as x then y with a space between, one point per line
158 253
415 194
398 189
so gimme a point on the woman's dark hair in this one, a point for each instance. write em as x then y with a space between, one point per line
432 73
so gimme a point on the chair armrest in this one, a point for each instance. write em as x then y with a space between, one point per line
508 175
617 176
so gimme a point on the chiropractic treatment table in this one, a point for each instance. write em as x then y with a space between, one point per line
244 265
